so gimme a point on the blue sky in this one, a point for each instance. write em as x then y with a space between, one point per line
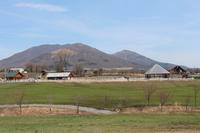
167 31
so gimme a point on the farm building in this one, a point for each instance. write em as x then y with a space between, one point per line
179 72
59 76
21 70
14 75
157 72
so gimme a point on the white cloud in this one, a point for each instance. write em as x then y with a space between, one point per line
42 6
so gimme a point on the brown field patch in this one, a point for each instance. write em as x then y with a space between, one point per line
38 111
157 109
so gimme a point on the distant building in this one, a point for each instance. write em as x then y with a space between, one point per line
157 72
121 71
21 70
59 76
14 75
179 72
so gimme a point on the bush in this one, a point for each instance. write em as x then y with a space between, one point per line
197 77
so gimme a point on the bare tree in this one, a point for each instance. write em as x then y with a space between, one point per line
187 102
63 56
106 101
121 104
98 72
50 102
77 103
29 67
19 95
35 68
164 96
148 92
195 91
78 70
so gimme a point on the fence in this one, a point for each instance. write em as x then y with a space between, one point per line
18 81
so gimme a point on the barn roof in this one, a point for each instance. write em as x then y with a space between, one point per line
157 69
52 75
178 69
11 74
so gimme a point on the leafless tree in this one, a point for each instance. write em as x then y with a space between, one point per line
164 96
106 100
63 56
19 97
98 72
77 103
50 102
148 92
195 91
78 70
121 104
187 102
35 68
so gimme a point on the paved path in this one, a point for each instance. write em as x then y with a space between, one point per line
86 109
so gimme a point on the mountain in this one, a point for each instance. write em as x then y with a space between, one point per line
141 60
85 55
22 58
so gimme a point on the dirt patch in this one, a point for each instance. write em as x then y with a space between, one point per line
167 109
37 111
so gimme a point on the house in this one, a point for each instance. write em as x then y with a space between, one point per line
59 76
21 70
179 72
14 75
157 72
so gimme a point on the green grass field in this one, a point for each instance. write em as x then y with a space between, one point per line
100 95
101 124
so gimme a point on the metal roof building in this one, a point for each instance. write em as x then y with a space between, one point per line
13 75
57 76
157 72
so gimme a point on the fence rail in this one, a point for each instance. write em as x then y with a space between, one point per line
18 81
94 79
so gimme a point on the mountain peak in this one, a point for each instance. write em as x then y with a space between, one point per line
78 44
143 61
86 55
127 52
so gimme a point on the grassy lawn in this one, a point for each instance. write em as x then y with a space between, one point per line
100 95
101 124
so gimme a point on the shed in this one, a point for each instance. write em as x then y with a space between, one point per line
58 76
157 72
